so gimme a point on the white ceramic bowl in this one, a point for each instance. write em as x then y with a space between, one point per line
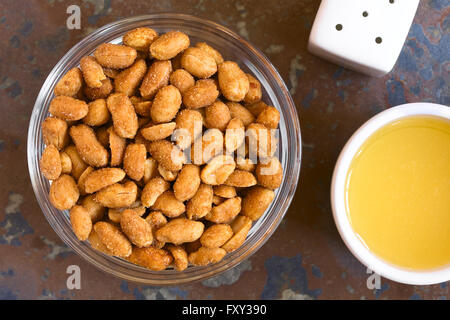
361 252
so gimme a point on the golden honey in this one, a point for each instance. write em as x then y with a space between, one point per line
398 193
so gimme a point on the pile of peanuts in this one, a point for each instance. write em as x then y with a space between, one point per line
148 145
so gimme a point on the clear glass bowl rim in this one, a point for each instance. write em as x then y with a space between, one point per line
261 231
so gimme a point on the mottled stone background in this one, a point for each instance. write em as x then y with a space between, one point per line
305 258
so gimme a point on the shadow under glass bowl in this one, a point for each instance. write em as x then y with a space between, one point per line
233 48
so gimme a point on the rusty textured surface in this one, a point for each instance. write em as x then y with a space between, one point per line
305 258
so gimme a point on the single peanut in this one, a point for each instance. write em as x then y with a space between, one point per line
115 56
137 229
114 240
50 163
152 190
168 45
199 63
70 84
90 150
55 132
68 108
117 195
187 183
226 211
124 117
64 192
92 72
81 222
233 82
180 230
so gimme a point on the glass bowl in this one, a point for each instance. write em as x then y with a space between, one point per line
232 47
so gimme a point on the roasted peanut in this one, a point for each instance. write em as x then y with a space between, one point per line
256 201
168 204
182 80
254 93
66 163
180 230
233 82
241 226
78 165
134 161
199 63
152 190
241 179
167 155
234 135
115 56
225 191
207 147
82 179
111 73
167 174
129 79
97 244
68 108
189 125
239 111
217 115
96 210
261 140
117 195
226 211
143 108
159 131
70 84
245 164
201 203
180 257
256 108
117 145
205 256
115 214
137 229
218 170
64 192
269 117
124 117
114 240
100 92
102 134
202 94
151 258
98 113
168 45
81 222
156 220
211 51
90 150
150 170
140 38
217 200
166 104
92 72
216 236
269 173
187 183
157 77
102 178
55 132
50 163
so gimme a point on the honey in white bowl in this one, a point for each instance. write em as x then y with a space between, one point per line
398 193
